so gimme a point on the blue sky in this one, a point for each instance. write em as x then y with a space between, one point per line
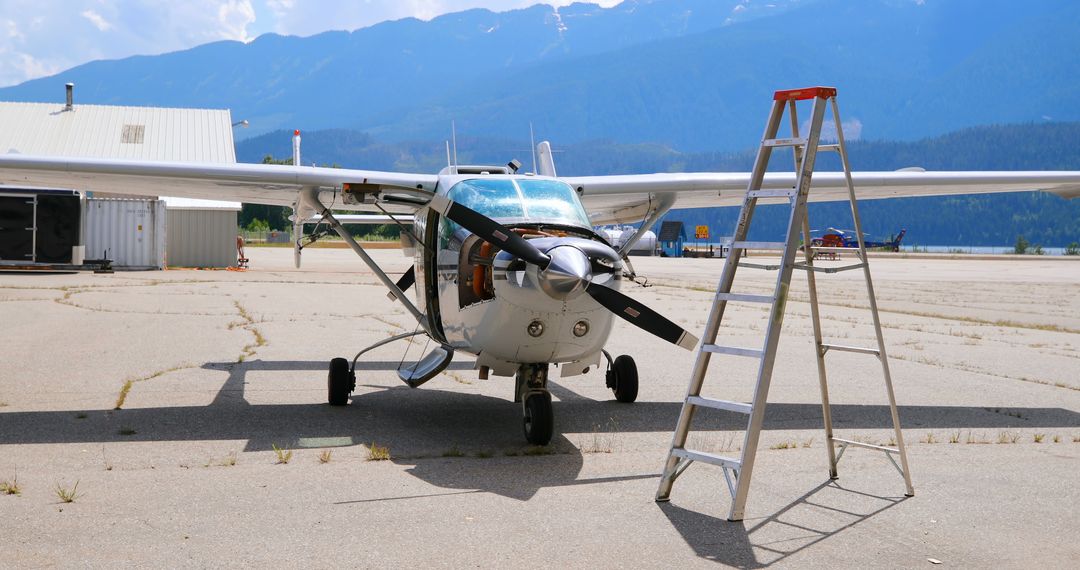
43 37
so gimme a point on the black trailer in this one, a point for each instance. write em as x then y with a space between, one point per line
41 227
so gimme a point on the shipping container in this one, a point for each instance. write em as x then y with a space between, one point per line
129 232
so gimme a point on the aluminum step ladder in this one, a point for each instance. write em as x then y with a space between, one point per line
738 471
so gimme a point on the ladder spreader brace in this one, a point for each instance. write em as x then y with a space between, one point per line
737 472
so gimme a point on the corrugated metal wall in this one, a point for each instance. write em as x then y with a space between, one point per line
131 231
202 238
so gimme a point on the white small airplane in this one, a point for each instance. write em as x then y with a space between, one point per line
507 265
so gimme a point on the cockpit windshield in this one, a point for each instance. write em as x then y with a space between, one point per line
519 200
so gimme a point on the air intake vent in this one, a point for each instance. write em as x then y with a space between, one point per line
133 134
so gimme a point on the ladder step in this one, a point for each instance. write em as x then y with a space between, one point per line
829 147
853 443
784 142
770 245
716 348
789 193
818 269
744 298
844 348
769 267
707 458
720 404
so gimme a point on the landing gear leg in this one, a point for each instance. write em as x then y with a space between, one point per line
532 392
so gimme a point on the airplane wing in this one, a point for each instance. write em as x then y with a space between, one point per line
609 199
272 184
622 199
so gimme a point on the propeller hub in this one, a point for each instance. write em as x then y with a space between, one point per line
568 273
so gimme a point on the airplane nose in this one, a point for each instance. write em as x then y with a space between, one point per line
568 273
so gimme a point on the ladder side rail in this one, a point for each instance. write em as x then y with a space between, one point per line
776 315
815 316
882 355
716 313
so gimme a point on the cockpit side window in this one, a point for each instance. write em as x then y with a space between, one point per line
493 198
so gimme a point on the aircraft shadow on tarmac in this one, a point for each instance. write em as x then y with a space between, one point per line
426 423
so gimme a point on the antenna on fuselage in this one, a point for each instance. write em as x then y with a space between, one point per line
453 137
448 163
532 145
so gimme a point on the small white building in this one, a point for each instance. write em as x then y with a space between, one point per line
197 233
201 233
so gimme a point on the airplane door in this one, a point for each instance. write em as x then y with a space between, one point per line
16 228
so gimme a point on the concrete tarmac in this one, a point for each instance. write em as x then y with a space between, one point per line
163 395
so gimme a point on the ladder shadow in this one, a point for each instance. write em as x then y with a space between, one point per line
779 535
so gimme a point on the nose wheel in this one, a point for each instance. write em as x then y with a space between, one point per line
622 378
538 418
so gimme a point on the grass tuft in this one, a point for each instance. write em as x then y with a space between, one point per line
80 416
127 430
534 450
230 460
283 455
325 455
67 495
1038 437
929 438
11 487
486 454
378 452
1008 437
955 437
1057 438
453 452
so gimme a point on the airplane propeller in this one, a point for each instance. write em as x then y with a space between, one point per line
565 272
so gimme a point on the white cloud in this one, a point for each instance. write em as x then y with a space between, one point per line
235 16
100 23
41 37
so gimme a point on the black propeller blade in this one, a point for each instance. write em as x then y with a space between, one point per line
490 230
407 280
643 317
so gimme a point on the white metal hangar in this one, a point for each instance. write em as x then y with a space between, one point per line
133 230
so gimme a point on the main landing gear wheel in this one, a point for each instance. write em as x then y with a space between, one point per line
622 379
339 382
539 418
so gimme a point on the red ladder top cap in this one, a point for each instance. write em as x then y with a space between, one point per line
804 93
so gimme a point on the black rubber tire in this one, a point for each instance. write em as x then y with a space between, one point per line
539 420
339 382
626 382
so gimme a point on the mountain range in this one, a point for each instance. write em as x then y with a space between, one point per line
693 74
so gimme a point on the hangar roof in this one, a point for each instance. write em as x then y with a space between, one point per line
107 131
